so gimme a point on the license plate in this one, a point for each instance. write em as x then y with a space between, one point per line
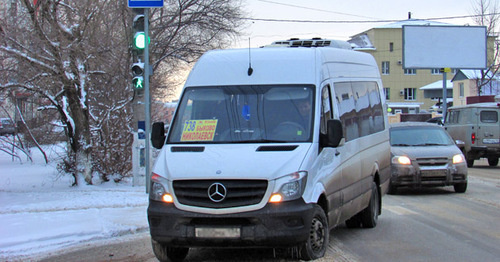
491 141
433 172
217 232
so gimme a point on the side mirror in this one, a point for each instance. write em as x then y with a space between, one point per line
158 135
460 144
335 132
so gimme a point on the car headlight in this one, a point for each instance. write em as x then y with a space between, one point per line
458 158
290 187
402 160
157 191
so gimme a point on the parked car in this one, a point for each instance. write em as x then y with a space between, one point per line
478 126
436 120
7 127
425 155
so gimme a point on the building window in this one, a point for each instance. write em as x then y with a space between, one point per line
410 94
461 85
385 67
387 92
391 46
410 71
435 71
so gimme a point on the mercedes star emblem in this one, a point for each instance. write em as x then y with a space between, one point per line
217 192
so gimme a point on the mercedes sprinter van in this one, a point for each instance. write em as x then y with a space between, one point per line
271 147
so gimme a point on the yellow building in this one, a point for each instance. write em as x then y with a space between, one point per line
402 87
465 84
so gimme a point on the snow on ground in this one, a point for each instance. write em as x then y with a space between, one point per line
40 213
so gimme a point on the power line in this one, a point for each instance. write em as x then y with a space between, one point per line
314 9
358 21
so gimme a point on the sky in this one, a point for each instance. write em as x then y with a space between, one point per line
261 32
40 214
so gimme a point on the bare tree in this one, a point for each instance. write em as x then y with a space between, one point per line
487 13
75 56
185 29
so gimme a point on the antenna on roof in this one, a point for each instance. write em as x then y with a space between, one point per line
250 69
409 15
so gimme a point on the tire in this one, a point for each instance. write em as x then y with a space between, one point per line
353 222
493 161
369 216
460 188
470 162
317 242
393 190
166 253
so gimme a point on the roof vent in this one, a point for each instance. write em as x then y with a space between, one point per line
314 42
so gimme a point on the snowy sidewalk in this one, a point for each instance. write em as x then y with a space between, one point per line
40 212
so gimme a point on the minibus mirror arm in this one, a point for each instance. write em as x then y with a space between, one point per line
335 133
158 135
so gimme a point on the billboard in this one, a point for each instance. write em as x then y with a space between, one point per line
429 47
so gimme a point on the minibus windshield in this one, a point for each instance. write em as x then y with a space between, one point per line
244 114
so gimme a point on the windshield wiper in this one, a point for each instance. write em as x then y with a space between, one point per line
430 144
400 145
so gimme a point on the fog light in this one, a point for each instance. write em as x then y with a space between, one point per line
167 198
275 198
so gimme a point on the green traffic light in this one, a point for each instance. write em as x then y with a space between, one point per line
139 42
138 83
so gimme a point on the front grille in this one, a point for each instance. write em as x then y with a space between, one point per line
432 161
433 179
238 192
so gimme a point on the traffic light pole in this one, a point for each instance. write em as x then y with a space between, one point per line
147 100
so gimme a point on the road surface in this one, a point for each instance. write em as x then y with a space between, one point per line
434 224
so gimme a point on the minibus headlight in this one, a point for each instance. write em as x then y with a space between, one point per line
290 187
157 191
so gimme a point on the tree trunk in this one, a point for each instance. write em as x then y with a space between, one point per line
80 142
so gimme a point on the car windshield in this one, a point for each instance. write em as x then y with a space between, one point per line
244 114
419 136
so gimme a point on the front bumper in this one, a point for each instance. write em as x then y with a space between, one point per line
274 225
412 176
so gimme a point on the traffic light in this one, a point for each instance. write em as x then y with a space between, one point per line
138 45
138 77
139 40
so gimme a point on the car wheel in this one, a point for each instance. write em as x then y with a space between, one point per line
353 222
393 190
166 253
317 241
470 162
492 161
369 215
460 188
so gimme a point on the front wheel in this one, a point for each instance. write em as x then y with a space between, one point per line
369 216
317 242
470 162
493 161
166 253
460 188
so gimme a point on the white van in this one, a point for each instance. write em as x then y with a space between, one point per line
271 147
